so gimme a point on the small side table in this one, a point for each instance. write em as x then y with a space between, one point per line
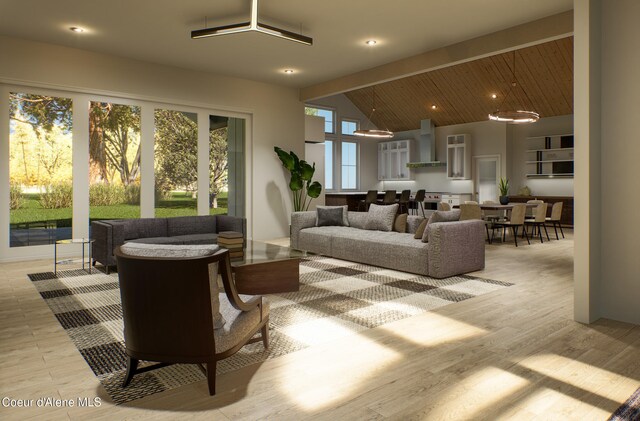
83 241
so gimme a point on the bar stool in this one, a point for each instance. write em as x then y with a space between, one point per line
418 200
372 196
404 201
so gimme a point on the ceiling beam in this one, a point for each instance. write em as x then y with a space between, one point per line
530 33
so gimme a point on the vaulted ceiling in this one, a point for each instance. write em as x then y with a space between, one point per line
463 93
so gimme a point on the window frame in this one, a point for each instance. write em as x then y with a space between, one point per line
349 120
356 166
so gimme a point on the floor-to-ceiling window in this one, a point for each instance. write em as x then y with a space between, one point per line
175 163
114 161
349 165
40 168
118 155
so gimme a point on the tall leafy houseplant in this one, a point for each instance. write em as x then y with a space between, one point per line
503 186
303 189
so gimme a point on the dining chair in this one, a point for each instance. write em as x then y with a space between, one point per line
444 206
515 222
556 215
389 197
372 196
403 201
472 211
530 211
538 221
418 200
491 215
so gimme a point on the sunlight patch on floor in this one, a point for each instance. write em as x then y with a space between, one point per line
431 329
574 372
337 375
481 391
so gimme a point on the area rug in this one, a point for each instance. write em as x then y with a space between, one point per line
336 298
630 410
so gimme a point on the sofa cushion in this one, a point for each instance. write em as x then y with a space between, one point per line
400 223
329 217
440 216
145 227
399 251
358 219
381 217
186 225
345 213
239 324
167 250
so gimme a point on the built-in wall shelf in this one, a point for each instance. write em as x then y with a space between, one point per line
567 175
550 156
550 160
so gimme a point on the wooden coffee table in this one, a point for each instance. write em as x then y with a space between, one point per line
267 269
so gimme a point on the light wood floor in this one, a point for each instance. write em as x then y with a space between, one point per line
515 353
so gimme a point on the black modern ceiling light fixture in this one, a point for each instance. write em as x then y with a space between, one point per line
517 116
384 134
252 25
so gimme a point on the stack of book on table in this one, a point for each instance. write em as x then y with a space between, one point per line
233 241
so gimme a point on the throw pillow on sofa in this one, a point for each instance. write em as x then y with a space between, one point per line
400 224
381 217
345 209
329 217
421 228
441 216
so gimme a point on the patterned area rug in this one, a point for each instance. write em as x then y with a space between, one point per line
336 298
630 410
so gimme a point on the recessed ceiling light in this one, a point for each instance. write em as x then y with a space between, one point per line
76 29
288 71
494 96
371 42
434 106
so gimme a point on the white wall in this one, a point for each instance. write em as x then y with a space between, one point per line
344 108
518 146
620 154
274 113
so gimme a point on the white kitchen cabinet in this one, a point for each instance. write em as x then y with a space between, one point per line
455 199
393 157
458 157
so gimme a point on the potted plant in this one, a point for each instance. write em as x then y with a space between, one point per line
303 189
504 191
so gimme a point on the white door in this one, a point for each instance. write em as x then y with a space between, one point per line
486 177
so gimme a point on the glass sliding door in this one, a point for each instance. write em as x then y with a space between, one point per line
40 169
226 165
175 163
114 161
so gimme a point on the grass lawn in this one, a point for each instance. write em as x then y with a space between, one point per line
178 205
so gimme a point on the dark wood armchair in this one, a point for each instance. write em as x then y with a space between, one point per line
168 317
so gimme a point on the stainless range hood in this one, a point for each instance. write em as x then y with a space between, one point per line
426 147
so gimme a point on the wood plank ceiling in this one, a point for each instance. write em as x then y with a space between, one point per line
462 93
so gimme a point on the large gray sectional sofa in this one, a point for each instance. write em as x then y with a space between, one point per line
109 234
452 248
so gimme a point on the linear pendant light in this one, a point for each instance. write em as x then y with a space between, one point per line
380 134
518 116
253 25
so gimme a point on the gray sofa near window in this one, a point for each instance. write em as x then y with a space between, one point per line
109 234
453 247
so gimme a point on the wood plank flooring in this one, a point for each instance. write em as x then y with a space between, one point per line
514 353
